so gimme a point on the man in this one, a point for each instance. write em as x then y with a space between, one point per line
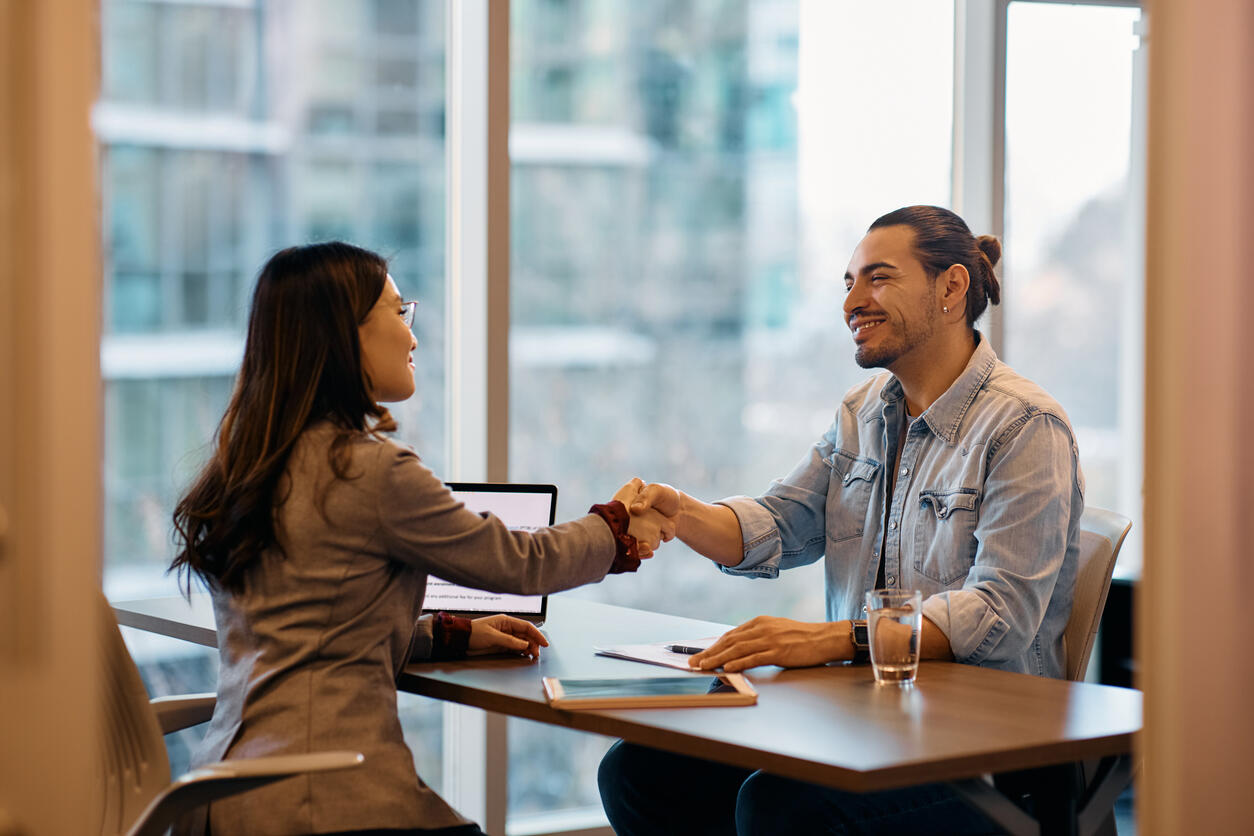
950 474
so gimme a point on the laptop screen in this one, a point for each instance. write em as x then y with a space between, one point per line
520 507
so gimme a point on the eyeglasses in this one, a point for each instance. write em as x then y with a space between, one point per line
407 313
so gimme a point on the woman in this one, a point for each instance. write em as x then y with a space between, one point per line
315 534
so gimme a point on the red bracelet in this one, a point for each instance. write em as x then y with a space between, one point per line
627 554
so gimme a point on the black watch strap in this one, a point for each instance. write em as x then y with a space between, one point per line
860 640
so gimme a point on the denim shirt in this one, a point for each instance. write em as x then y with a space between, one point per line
984 518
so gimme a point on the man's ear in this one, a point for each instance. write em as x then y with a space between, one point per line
953 284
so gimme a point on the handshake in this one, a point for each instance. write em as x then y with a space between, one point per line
654 510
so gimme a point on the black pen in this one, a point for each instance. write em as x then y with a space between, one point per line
683 648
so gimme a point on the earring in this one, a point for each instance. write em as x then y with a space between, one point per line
946 310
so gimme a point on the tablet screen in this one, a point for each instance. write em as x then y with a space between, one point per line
658 686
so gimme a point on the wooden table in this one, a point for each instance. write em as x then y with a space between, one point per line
828 725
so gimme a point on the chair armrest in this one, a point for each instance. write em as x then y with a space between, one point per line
174 713
213 781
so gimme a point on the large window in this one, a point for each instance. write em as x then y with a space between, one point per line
229 130
689 180
1073 271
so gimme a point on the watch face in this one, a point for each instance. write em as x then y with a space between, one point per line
860 635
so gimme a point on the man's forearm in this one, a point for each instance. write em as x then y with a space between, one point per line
934 644
710 530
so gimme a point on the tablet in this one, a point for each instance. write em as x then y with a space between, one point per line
650 692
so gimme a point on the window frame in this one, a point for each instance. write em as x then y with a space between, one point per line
479 292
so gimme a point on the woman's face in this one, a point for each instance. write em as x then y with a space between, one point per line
387 344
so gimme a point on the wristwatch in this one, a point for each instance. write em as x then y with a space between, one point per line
861 643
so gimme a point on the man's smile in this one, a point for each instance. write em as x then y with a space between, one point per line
863 325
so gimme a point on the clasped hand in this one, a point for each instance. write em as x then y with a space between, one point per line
651 525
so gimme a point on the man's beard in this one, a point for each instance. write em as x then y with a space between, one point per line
890 350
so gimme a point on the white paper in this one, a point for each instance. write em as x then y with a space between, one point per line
656 653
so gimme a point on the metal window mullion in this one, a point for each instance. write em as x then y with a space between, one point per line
979 139
1132 305
477 390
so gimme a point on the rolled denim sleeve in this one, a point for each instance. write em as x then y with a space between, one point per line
784 528
761 539
1032 498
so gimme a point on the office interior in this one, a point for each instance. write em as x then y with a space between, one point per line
662 192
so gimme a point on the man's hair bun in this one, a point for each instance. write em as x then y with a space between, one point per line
991 248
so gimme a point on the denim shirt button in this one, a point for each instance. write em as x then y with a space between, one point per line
942 512
892 579
893 525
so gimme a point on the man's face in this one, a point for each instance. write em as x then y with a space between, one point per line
891 305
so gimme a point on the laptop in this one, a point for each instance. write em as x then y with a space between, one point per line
522 508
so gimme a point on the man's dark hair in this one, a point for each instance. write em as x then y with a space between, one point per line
941 240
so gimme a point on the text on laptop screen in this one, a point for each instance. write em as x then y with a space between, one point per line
525 509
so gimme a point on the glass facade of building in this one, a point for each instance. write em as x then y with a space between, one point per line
227 131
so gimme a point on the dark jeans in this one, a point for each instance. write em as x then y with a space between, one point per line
647 792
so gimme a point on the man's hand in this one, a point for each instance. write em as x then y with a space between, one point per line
627 493
650 526
767 640
709 529
657 496
502 633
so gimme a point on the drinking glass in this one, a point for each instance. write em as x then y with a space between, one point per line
894 621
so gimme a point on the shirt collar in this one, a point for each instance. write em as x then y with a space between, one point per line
945 415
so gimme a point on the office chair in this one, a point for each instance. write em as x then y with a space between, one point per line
135 796
1101 536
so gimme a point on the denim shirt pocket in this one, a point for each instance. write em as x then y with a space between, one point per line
944 534
849 494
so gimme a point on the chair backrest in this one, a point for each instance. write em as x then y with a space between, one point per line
1101 537
134 766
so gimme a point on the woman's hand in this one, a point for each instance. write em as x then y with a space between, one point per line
503 633
650 529
650 526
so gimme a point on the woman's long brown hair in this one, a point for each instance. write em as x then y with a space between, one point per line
302 364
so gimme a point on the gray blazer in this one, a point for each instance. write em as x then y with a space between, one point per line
311 649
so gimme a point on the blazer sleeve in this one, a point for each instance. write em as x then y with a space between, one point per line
440 636
425 526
